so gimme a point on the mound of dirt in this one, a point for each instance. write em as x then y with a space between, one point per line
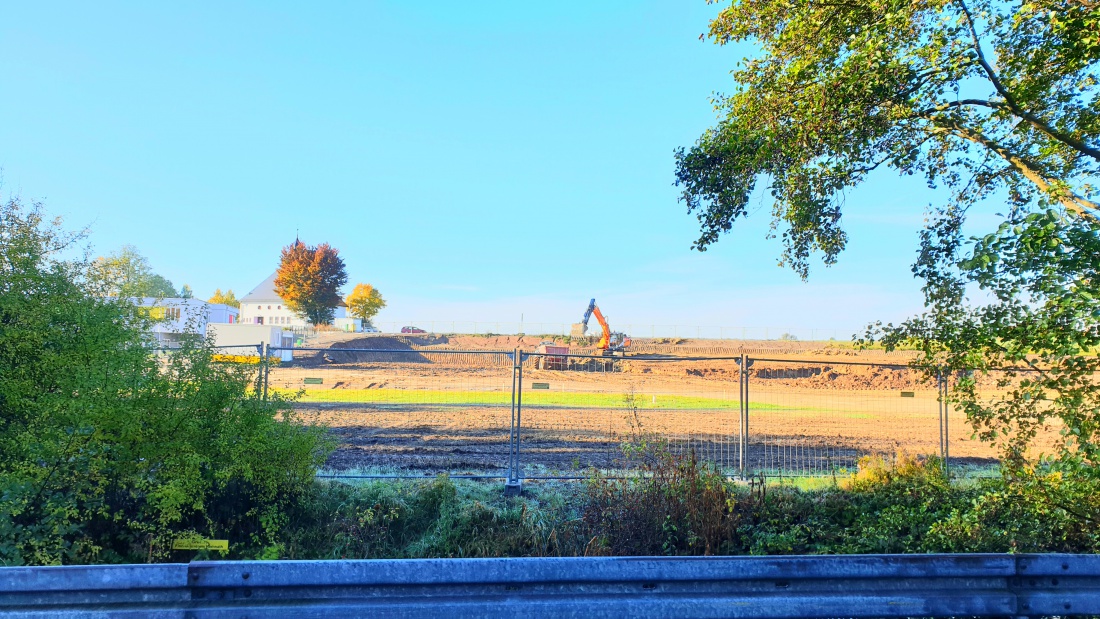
841 377
793 374
495 342
360 350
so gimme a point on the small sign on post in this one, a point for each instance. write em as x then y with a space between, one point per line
312 381
540 385
201 544
908 394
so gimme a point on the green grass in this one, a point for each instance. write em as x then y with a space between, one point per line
530 398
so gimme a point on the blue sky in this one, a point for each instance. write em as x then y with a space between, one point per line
474 161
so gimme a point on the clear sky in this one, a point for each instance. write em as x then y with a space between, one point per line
475 161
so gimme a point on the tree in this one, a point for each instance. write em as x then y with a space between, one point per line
186 292
108 452
126 273
986 98
228 298
309 279
365 302
976 95
1023 360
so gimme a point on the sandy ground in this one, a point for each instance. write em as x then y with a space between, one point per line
811 411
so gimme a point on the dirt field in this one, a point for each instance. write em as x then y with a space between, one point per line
444 404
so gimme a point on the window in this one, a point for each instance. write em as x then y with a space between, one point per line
280 307
268 307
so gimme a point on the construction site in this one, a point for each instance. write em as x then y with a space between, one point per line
425 404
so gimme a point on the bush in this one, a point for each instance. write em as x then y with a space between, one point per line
422 519
908 505
680 507
677 507
109 453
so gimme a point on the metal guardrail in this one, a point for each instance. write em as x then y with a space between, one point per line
979 585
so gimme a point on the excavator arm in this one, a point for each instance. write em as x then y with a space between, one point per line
605 339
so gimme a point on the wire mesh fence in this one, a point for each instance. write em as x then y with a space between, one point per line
1019 400
778 333
584 412
514 414
811 418
405 412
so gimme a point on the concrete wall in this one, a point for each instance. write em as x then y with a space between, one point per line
251 335
351 325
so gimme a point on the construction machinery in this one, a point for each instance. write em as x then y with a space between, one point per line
552 356
610 342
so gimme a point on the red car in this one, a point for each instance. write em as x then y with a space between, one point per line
412 330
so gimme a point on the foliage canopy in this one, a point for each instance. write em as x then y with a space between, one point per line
976 95
126 273
109 452
228 298
309 279
365 302
990 99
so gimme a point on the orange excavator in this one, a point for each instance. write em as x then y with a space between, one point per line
610 342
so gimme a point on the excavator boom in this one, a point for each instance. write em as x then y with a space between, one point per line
608 340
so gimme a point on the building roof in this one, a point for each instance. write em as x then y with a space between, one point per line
265 291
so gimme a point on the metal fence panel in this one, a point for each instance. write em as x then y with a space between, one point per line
412 409
812 418
582 412
399 411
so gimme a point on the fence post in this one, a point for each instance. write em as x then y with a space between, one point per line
259 371
265 360
939 406
946 427
743 439
513 486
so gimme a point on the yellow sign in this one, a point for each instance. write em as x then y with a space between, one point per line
201 544
156 313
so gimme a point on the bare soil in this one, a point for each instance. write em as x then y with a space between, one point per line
811 410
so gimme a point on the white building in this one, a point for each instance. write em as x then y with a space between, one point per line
177 316
253 337
263 307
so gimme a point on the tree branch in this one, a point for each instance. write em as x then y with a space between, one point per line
1073 202
1010 102
996 105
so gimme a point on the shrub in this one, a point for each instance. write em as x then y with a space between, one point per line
420 519
678 506
108 453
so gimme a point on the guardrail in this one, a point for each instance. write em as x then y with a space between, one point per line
978 585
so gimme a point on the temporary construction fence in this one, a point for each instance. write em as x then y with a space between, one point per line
523 415
638 330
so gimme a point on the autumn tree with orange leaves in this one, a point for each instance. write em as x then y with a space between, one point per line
309 279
